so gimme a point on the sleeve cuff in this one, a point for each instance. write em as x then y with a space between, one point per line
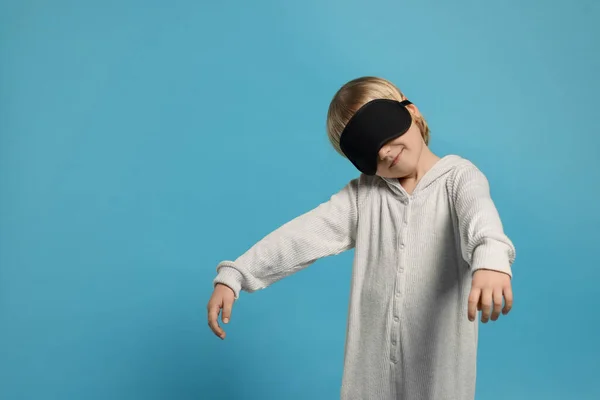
493 256
229 276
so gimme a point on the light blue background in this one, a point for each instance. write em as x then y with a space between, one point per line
141 142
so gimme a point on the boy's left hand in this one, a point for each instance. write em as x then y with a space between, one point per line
489 287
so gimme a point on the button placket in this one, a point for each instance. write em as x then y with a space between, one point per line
396 328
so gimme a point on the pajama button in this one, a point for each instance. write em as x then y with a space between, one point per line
396 319
401 247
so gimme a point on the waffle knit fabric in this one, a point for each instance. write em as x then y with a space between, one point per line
408 336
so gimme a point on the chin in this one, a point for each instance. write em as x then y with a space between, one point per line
393 173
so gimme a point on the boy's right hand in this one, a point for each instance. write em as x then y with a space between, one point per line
222 298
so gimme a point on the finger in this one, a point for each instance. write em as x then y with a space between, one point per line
486 305
497 297
473 301
508 300
213 316
226 315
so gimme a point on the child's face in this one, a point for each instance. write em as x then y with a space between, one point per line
399 157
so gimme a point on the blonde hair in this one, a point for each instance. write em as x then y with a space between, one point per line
353 95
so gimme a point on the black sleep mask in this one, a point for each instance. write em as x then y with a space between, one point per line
373 125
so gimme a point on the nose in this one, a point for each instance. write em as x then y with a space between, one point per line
383 152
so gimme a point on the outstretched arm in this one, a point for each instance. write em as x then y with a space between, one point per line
326 230
485 246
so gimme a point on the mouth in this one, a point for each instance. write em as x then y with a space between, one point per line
395 161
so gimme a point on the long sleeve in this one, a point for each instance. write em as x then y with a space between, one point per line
483 241
326 230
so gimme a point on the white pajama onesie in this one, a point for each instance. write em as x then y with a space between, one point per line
408 336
